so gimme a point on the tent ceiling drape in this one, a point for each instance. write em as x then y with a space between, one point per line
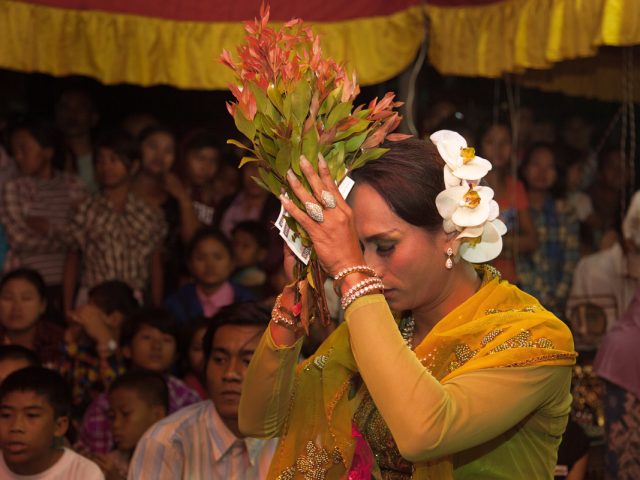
177 42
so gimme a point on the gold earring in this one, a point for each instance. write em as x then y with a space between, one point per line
449 262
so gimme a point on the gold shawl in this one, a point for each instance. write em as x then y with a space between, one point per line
499 326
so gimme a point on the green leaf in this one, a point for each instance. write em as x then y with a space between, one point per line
246 127
275 97
260 183
238 144
300 101
261 98
341 111
283 159
335 161
268 144
370 154
270 181
354 142
310 146
246 160
358 127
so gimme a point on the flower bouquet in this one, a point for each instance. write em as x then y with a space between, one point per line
292 101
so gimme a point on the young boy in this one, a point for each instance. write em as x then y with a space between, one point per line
15 357
149 341
91 358
117 235
34 417
137 400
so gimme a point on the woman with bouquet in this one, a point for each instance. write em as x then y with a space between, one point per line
440 370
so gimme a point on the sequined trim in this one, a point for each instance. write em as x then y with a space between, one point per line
527 309
523 340
489 337
313 465
542 358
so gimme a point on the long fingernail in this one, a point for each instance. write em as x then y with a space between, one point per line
283 199
290 175
321 161
303 160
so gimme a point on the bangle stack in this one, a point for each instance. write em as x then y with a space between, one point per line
364 287
283 317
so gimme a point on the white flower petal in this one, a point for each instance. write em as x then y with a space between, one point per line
486 193
449 226
472 170
499 226
471 232
470 217
449 144
488 248
494 210
450 180
448 200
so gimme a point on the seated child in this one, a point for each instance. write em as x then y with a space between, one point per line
22 305
15 357
193 357
34 416
149 341
250 246
137 400
210 261
91 357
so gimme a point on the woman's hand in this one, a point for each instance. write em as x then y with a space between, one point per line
334 239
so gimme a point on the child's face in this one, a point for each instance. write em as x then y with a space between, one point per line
20 305
31 158
202 165
27 430
10 365
540 172
130 416
246 251
496 146
110 169
196 354
158 153
151 349
211 263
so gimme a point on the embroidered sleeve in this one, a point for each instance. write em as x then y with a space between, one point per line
267 388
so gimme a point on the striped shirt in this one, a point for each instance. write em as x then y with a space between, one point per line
51 199
195 444
116 245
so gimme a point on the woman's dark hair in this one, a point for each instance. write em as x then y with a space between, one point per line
155 317
150 386
152 130
409 177
29 275
124 145
242 314
43 382
204 234
186 334
484 130
46 134
114 296
558 189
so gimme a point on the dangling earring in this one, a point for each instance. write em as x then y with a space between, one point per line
449 262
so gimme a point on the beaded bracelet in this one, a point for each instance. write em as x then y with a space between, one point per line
342 274
364 283
348 300
282 317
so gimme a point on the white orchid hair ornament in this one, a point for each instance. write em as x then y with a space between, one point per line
465 206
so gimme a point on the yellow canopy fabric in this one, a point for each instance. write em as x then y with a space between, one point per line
117 48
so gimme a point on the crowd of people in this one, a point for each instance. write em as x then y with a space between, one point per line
140 270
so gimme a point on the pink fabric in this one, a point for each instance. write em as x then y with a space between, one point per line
617 360
362 464
212 303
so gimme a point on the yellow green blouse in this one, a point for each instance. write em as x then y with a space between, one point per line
485 395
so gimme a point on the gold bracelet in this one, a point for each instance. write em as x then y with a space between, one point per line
283 317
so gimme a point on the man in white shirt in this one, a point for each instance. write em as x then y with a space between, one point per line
203 441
